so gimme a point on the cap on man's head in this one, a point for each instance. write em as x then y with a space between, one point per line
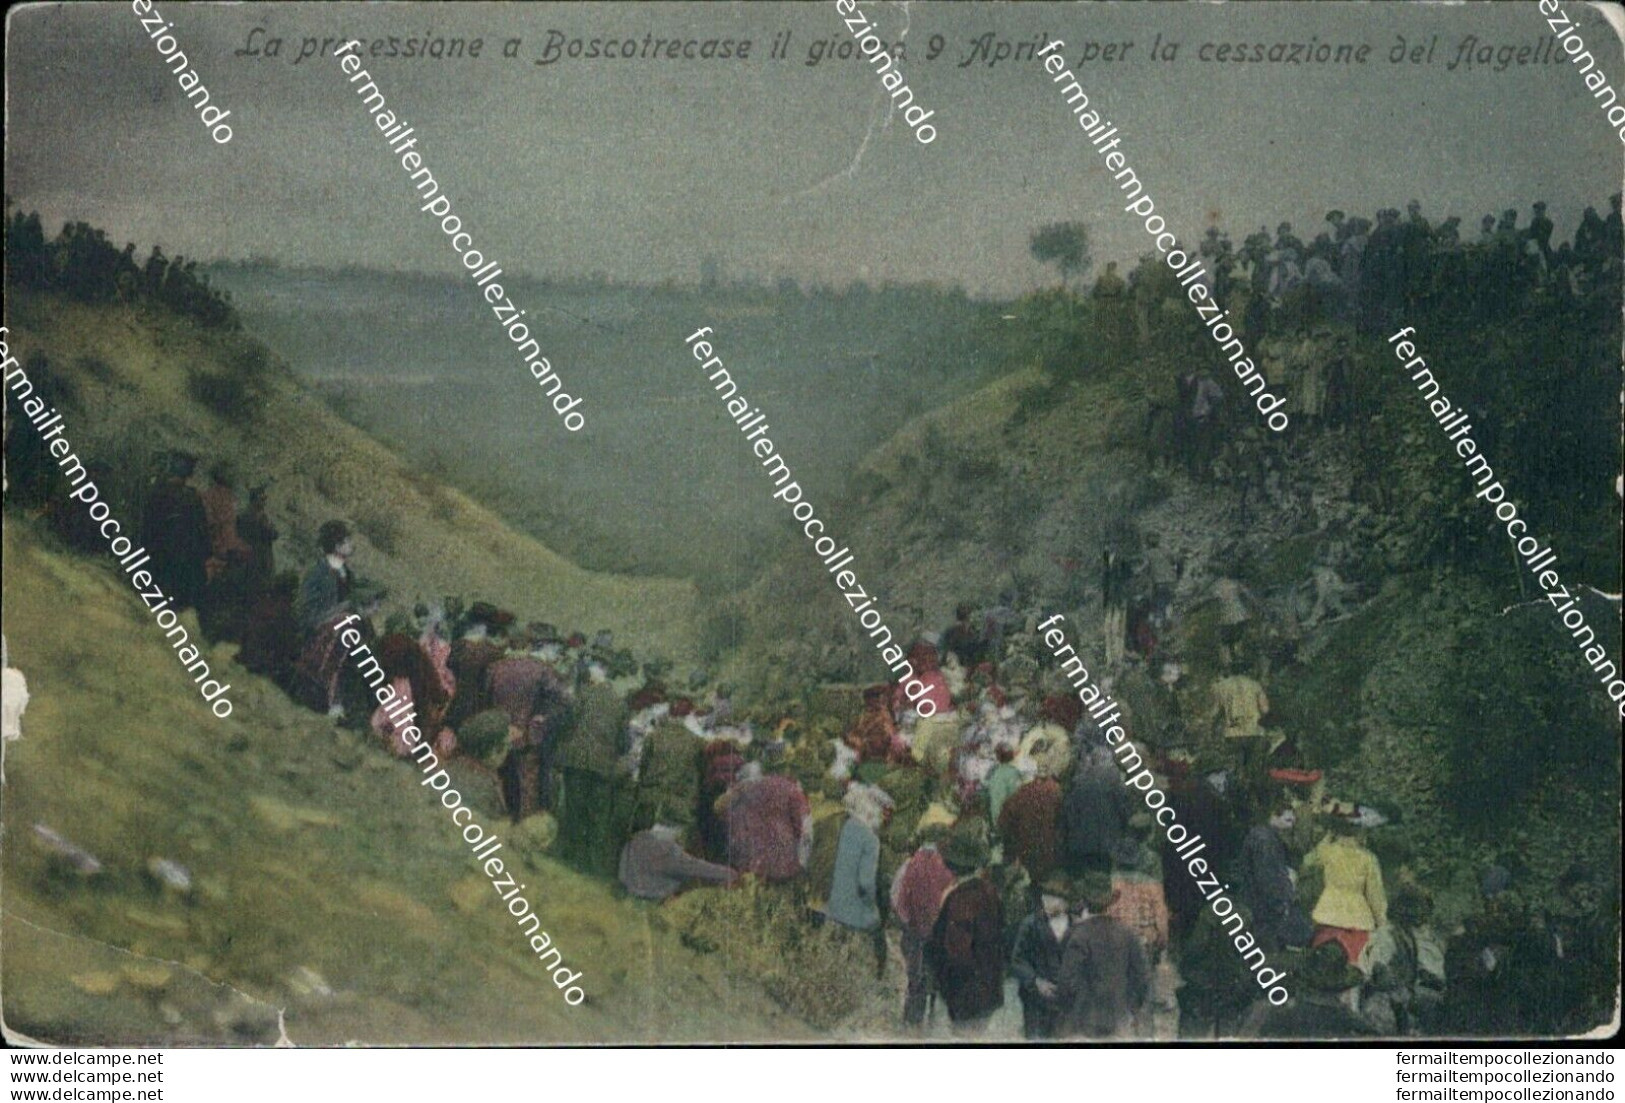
1059 885
181 464
1095 891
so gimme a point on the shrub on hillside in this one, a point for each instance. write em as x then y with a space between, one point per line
763 936
228 397
1526 711
382 528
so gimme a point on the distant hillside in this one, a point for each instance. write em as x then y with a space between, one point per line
144 381
656 484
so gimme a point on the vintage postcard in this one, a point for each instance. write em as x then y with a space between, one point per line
856 522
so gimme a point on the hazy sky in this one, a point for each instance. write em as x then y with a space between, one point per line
639 168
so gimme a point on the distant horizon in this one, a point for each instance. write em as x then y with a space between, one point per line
792 167
747 280
743 281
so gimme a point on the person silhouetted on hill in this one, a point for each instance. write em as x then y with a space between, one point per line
175 531
258 535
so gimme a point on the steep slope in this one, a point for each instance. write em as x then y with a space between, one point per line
326 882
145 382
1015 490
330 898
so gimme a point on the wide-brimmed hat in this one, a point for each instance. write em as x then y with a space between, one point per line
965 850
332 534
1059 884
1094 891
1326 968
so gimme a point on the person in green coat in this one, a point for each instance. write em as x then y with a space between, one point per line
595 785
1005 779
668 788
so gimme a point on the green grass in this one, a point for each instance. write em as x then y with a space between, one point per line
308 849
304 854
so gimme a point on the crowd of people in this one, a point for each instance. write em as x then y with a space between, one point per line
991 846
83 263
1300 305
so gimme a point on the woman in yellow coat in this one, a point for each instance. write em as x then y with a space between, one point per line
1352 904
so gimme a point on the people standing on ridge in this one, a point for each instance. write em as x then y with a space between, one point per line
175 530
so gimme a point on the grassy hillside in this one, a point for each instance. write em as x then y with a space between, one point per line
146 382
656 484
328 892
316 862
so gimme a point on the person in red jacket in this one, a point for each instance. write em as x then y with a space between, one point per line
923 660
874 734
966 951
769 825
916 900
1030 825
